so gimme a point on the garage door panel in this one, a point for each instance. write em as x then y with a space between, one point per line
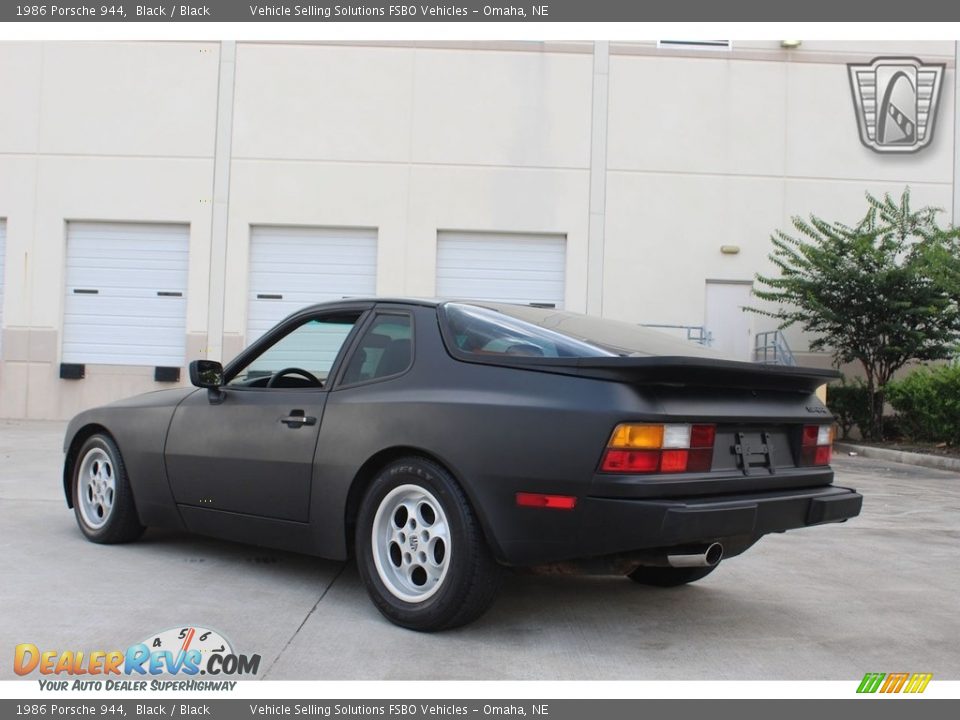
493 273
135 336
511 267
306 273
491 247
291 268
132 308
115 356
95 319
155 346
308 267
306 237
307 285
85 254
88 310
106 350
126 282
515 263
479 289
107 261
91 245
264 316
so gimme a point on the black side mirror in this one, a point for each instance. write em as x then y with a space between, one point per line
206 374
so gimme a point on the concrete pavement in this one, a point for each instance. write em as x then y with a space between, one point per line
880 593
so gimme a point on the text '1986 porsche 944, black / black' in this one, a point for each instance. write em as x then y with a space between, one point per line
440 441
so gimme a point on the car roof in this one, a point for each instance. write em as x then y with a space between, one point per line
421 301
360 300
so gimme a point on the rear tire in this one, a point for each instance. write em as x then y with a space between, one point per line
420 549
669 576
102 498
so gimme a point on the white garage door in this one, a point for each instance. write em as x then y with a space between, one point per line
292 267
3 257
508 267
126 294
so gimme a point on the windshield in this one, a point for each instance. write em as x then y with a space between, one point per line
518 330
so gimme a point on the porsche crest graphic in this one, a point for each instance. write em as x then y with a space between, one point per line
896 99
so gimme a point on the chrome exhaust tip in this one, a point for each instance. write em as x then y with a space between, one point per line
708 557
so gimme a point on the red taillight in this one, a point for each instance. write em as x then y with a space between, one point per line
672 448
816 445
539 500
631 461
700 460
673 460
702 436
822 456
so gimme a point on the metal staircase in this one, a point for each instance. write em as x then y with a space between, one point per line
771 348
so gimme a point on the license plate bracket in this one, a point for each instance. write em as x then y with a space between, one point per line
753 450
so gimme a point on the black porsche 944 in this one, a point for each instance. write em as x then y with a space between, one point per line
438 442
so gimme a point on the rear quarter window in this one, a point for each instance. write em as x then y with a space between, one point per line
486 329
385 350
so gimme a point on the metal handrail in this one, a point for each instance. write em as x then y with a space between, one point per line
695 333
771 348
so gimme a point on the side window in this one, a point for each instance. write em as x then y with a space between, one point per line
483 331
311 347
385 349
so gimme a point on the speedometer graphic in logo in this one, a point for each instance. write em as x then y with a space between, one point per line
184 639
188 650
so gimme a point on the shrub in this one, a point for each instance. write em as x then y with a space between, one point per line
883 292
850 404
927 402
893 428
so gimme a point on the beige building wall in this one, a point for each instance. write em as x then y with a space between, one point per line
722 150
696 150
408 141
120 131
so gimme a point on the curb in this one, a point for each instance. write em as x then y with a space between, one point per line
937 462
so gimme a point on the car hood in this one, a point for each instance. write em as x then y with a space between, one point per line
155 398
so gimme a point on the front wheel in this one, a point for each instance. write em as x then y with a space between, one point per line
102 499
421 551
669 576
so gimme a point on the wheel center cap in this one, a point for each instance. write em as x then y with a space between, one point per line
413 543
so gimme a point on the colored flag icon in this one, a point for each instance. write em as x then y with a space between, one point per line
894 682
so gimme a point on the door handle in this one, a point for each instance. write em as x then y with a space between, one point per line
298 419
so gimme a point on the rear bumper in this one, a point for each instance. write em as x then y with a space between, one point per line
606 526
631 525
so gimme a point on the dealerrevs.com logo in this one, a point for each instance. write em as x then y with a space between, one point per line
185 651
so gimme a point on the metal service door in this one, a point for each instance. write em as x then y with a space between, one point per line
731 328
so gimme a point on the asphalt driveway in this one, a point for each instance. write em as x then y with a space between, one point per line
880 593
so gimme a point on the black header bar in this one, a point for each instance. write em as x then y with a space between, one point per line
489 11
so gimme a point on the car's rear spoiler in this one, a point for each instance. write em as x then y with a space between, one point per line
680 370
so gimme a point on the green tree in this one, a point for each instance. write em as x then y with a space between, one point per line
882 293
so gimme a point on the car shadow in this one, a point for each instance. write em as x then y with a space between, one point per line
528 604
191 548
575 622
